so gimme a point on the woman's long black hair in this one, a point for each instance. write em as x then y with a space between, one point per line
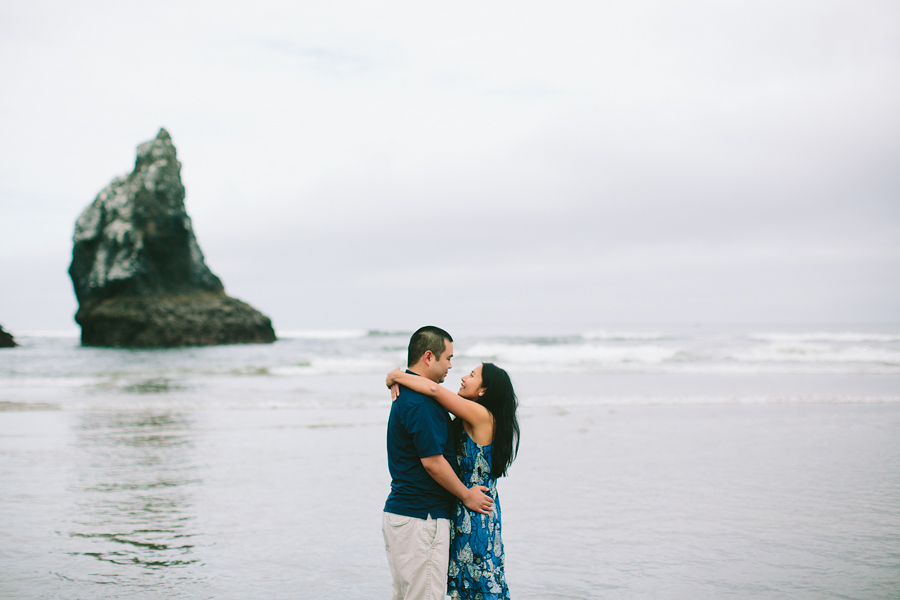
500 399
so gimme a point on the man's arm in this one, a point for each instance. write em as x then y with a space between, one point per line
441 471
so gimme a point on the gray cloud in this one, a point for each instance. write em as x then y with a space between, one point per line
496 163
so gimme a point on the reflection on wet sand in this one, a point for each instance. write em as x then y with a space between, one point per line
133 510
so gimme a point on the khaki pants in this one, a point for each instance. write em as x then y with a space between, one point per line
418 553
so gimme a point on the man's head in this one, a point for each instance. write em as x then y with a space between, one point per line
430 351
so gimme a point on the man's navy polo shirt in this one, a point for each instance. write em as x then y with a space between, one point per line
418 427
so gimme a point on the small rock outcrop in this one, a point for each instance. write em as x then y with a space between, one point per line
6 339
138 272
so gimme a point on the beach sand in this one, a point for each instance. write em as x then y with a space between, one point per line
796 501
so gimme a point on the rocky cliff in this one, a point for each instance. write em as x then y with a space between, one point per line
138 272
6 340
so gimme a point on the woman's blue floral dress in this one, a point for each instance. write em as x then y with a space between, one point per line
476 549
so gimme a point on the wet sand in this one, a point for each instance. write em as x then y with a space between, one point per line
698 501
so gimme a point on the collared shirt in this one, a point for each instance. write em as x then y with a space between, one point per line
418 427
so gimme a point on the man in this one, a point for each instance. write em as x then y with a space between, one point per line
416 522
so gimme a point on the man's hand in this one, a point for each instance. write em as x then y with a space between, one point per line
473 497
477 501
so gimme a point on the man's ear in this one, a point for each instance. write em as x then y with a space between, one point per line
428 357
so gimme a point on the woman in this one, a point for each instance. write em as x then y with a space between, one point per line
487 440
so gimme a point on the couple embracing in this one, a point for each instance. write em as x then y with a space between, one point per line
442 518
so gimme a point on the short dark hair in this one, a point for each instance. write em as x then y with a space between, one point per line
425 339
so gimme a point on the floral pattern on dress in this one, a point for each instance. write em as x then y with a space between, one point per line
476 548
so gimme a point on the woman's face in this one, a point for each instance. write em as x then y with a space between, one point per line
471 387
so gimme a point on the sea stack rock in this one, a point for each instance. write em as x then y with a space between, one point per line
6 340
138 271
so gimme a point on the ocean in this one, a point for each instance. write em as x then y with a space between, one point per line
667 462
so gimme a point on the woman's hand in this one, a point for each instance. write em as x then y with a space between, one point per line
390 381
392 377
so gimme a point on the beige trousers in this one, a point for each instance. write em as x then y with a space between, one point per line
418 553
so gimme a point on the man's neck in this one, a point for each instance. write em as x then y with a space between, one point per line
419 370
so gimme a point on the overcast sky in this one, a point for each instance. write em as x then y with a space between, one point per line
375 164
